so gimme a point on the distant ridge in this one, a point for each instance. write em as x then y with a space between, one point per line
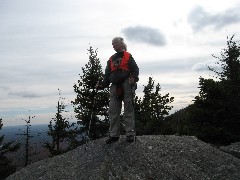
39 133
11 131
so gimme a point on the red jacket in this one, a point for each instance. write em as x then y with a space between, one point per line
123 64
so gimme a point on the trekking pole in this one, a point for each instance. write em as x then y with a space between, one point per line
91 117
132 91
133 85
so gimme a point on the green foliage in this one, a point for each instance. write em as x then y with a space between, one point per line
6 166
151 109
61 131
27 135
220 100
29 146
214 116
177 123
91 105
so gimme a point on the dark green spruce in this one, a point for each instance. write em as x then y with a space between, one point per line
6 165
215 114
62 132
90 104
151 110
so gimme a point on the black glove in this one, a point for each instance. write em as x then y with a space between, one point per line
99 86
131 81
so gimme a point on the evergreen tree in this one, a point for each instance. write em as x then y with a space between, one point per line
230 85
27 147
90 105
214 115
218 103
151 110
60 130
6 165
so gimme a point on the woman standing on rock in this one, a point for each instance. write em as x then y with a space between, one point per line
122 73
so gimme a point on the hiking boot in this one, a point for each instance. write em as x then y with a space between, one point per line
130 138
112 139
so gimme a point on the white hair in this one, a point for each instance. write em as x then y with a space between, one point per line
121 41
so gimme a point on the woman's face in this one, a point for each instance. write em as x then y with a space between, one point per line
117 46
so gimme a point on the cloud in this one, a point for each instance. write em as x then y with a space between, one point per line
145 35
200 67
199 18
4 88
24 94
203 66
176 65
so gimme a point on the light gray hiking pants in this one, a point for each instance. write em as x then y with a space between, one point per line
115 107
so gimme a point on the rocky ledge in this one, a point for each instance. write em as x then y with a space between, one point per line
148 158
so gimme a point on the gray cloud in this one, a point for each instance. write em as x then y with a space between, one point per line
24 94
203 66
4 88
200 67
199 18
145 35
178 65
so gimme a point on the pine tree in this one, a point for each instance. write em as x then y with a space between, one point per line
27 146
90 105
151 109
214 115
230 84
217 107
6 165
60 130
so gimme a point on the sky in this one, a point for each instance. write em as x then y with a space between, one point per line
43 46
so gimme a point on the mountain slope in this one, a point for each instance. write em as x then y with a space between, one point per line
149 157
